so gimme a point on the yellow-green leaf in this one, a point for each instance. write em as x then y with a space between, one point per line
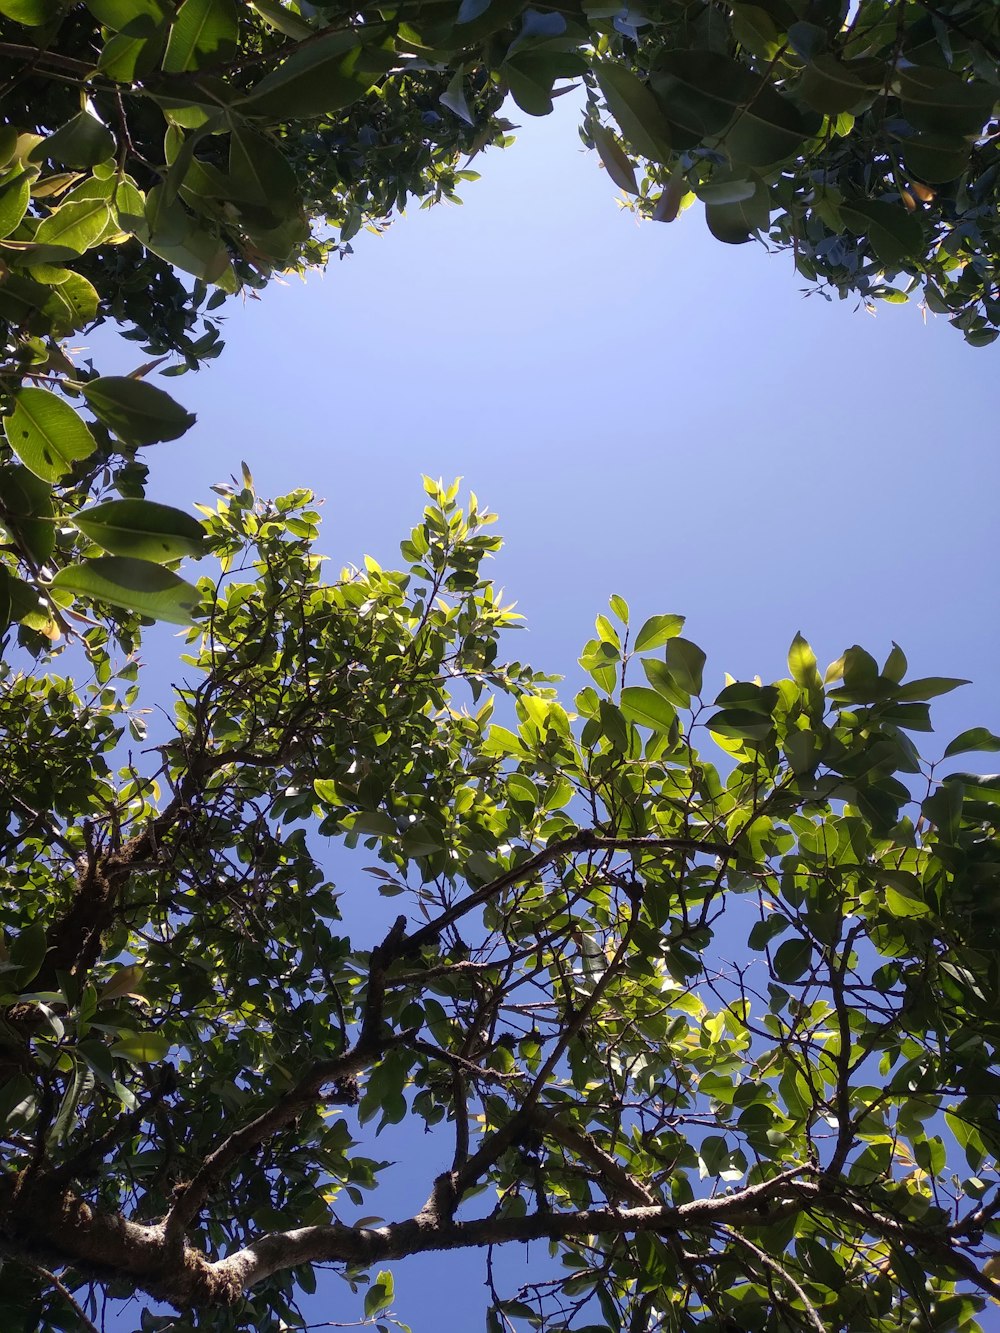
136 585
142 529
46 434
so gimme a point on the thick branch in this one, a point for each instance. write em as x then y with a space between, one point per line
327 1244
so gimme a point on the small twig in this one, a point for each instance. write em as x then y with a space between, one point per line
67 1296
812 1314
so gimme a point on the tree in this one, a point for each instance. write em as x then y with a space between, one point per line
146 140
723 1033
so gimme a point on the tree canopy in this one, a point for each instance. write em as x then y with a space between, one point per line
157 157
703 994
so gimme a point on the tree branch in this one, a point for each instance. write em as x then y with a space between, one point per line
300 1098
585 840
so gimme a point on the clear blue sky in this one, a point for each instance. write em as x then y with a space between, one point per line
652 413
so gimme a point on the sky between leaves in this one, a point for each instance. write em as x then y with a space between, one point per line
652 414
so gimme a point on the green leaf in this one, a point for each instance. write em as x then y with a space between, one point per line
203 33
700 90
976 738
66 1116
324 76
901 904
141 1048
894 234
27 952
723 189
532 73
136 15
142 529
46 434
763 932
601 660
470 10
942 102
616 161
129 57
978 787
895 664
712 98
828 86
612 725
81 142
19 602
32 13
740 724
656 631
802 664
72 303
26 511
659 676
767 130
283 20
137 412
379 1295
258 170
685 662
754 29
928 688
455 100
136 585
15 193
74 227
735 223
792 959
647 708
636 110
935 158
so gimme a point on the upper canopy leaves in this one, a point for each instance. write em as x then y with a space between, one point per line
221 140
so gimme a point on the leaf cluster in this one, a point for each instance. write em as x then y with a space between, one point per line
704 994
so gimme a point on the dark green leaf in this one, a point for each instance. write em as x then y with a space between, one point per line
976 738
685 662
636 110
928 688
792 959
137 412
828 86
894 233
26 510
616 161
323 77
27 951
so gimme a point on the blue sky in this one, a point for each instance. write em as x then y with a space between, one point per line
652 413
